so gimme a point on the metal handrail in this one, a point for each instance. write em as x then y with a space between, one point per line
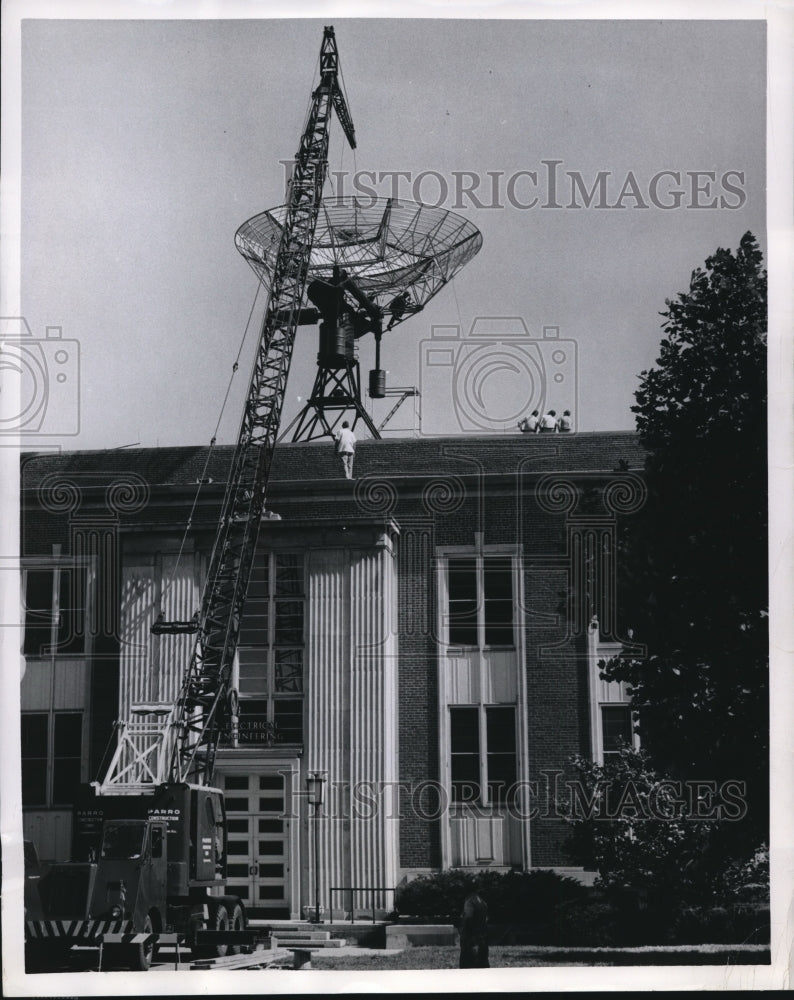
355 888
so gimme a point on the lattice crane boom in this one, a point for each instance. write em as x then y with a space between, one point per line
183 747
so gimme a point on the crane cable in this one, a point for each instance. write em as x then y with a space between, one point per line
202 480
457 305
235 366
343 145
261 284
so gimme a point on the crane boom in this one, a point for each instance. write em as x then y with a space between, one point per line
183 747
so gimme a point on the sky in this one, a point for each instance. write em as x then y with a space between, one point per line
145 144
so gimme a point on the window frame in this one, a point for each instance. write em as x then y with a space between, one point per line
269 650
51 758
608 755
606 694
480 559
60 566
450 658
484 795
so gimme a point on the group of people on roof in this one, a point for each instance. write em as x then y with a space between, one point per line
549 423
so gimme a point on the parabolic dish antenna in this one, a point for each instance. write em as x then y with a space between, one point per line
392 249
373 263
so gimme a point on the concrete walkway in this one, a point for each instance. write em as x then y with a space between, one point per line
354 949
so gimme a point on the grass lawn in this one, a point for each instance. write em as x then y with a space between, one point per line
430 957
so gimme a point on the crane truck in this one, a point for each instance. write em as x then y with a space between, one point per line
149 839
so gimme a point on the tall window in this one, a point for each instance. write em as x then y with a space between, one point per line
55 610
483 753
271 652
480 591
51 757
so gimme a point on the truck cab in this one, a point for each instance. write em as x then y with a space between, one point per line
143 864
131 871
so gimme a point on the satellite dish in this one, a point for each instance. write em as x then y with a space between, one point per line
373 263
399 253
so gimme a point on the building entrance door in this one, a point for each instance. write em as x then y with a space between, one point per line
258 863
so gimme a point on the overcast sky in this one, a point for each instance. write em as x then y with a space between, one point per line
145 144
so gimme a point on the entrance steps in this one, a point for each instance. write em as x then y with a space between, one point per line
361 932
286 938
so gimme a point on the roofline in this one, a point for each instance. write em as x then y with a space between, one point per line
441 438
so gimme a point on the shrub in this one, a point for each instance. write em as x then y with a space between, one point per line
741 923
438 896
634 825
512 897
585 925
602 923
747 880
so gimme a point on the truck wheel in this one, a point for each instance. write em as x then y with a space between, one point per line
140 955
237 924
218 921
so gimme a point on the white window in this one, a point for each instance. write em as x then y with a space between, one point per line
482 704
611 718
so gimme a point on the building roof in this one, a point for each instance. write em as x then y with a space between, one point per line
316 461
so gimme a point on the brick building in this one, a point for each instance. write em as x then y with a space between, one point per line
426 636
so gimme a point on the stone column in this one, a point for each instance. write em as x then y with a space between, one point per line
373 723
327 678
351 694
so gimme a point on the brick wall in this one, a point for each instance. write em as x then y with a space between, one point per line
440 492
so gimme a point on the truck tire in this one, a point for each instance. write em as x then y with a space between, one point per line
237 923
218 921
137 957
140 955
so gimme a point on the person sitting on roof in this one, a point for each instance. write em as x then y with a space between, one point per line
529 425
548 423
565 423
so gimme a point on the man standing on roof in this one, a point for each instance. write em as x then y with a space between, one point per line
346 447
548 423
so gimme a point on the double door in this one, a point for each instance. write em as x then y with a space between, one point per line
259 824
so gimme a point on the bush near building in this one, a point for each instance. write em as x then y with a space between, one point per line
665 871
545 908
512 897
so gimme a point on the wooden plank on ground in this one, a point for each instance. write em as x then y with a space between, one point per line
262 957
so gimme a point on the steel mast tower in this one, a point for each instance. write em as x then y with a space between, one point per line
183 746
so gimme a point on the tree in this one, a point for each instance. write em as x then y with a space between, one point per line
693 562
658 846
642 830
